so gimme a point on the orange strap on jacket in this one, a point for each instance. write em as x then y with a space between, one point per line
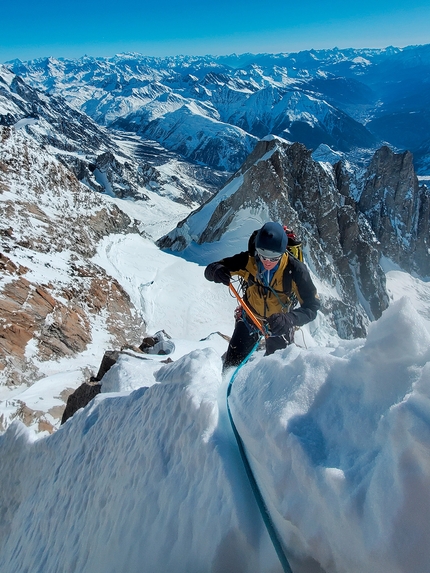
248 311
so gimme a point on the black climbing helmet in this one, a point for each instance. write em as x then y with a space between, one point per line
271 240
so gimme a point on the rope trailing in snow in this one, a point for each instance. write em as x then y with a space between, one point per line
252 481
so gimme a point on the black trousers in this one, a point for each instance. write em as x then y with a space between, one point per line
243 340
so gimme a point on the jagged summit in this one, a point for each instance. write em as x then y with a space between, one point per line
344 238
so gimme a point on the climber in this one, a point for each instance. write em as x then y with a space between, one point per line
272 280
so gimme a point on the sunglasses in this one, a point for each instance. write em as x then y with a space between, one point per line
270 259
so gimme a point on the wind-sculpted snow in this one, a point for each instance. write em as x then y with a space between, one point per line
344 463
150 481
137 483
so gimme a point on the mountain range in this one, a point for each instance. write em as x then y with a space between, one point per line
212 110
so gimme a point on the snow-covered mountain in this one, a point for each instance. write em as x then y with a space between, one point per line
118 163
50 227
346 99
148 477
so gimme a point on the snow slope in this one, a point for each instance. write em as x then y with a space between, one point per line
147 478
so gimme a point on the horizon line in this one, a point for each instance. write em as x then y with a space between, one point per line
209 55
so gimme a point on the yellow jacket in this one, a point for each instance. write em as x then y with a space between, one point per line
290 278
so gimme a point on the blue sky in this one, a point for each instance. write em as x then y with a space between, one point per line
38 28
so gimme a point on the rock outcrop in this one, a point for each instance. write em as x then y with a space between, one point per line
398 209
48 307
80 398
282 182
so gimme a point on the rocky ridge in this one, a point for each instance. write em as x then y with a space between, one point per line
105 161
280 181
53 223
398 209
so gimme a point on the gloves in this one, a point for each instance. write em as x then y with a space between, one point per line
218 273
280 323
222 275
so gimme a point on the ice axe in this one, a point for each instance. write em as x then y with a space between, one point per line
248 311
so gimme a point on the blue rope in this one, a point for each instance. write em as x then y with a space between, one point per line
253 483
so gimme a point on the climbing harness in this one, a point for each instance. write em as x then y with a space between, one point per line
252 481
248 311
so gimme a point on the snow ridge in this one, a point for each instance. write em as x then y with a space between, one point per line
343 465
